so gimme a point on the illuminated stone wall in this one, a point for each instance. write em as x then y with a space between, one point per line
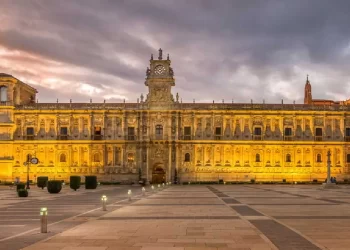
159 135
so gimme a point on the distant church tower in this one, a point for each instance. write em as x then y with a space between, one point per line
307 95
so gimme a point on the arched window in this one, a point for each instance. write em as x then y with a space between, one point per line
318 158
187 157
3 94
257 157
348 158
288 158
159 130
63 158
96 157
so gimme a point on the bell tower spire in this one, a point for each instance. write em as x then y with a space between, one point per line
307 91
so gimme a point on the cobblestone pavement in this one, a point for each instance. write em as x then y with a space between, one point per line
250 217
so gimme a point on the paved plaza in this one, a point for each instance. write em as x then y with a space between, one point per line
249 217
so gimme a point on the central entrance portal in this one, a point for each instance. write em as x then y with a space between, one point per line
158 174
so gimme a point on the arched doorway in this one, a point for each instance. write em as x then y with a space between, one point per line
158 174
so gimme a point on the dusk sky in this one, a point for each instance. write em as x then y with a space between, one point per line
220 49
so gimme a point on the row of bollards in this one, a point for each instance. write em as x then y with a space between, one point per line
43 211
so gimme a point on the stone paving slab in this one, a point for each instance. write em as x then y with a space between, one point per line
202 217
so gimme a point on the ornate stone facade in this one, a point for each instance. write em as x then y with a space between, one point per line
161 138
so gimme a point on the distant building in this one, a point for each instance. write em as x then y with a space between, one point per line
159 138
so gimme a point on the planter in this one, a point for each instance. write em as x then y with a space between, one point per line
90 182
22 193
54 187
42 181
74 182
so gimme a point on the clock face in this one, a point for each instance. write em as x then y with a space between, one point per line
159 70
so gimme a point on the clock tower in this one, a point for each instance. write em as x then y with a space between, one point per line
159 79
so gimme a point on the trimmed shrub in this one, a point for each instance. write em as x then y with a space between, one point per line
21 186
41 181
90 182
74 182
54 186
284 180
22 193
314 180
252 181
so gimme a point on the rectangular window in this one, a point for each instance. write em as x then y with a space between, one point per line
131 133
63 133
97 133
287 134
30 133
347 132
257 134
217 133
187 133
257 131
318 131
287 131
318 134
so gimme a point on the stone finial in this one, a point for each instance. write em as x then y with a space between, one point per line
251 101
90 100
151 56
148 72
194 100
57 100
138 100
141 97
168 58
263 101
124 100
70 100
160 56
177 97
282 101
104 100
223 100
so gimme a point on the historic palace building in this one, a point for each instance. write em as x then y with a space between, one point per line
159 138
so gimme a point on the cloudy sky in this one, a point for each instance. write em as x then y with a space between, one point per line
222 49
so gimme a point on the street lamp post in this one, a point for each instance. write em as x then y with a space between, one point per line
28 167
30 160
329 166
